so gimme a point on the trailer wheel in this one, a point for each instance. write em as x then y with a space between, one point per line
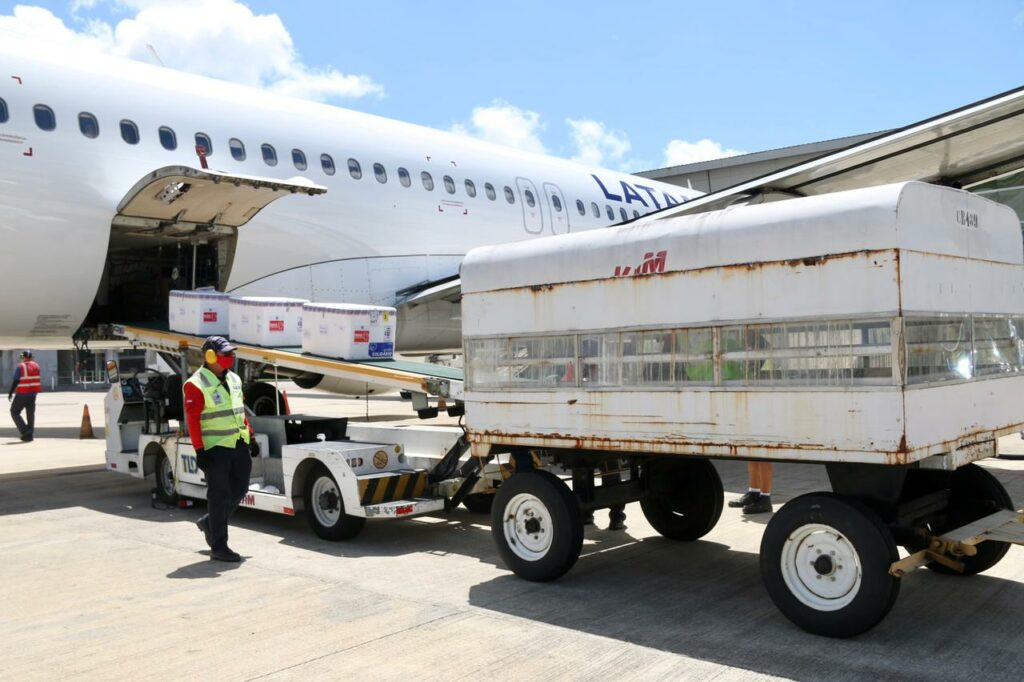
263 399
479 503
684 498
164 473
326 510
825 563
974 494
536 525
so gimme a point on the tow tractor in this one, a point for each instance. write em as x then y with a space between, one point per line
340 473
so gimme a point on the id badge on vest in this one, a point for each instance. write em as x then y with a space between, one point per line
218 399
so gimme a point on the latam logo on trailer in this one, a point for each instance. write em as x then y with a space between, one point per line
277 325
652 264
361 336
209 316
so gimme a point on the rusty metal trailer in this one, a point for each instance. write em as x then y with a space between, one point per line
878 331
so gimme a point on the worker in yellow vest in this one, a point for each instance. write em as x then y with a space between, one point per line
223 440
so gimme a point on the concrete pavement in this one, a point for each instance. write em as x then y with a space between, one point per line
98 584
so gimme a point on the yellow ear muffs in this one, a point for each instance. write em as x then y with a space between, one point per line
211 356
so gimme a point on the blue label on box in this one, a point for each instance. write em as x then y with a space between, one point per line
382 350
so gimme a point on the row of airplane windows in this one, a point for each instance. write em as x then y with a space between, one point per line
89 126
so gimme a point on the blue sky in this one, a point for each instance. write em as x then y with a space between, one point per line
628 85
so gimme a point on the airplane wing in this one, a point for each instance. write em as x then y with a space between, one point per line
960 148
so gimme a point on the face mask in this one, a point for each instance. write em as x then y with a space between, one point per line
226 361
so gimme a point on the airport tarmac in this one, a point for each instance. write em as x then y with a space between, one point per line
98 584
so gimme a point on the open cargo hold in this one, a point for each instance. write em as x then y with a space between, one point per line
878 331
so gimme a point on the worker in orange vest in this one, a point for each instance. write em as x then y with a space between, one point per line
22 396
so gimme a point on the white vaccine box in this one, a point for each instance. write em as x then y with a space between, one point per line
349 331
266 321
203 312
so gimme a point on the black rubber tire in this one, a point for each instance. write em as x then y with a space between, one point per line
479 503
346 527
263 399
974 494
875 550
684 497
164 475
562 517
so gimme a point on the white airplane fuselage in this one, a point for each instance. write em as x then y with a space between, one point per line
361 242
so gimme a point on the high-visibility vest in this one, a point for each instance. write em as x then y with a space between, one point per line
223 417
30 381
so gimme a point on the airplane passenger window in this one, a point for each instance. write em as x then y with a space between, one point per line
428 181
129 132
168 140
529 199
489 190
269 154
470 188
88 124
203 140
237 148
449 184
327 163
557 203
609 211
509 197
44 117
580 207
299 159
354 169
622 212
403 177
380 173
594 209
3 111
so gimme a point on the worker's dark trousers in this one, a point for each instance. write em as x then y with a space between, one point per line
26 402
227 480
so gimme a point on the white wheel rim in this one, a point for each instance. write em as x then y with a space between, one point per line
324 491
166 476
821 567
528 529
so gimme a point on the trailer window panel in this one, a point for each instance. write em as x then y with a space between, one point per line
44 116
646 358
327 164
938 349
998 346
487 363
542 361
403 177
88 125
168 138
694 356
599 359
129 132
299 159
237 149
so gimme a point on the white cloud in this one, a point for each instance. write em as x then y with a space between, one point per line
680 152
504 124
219 38
596 145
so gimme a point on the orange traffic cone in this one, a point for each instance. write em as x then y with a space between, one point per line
285 407
86 430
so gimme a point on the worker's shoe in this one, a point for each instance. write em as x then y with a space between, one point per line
745 499
225 554
762 505
203 524
26 437
616 520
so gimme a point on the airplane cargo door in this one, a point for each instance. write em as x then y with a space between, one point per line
533 215
558 211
